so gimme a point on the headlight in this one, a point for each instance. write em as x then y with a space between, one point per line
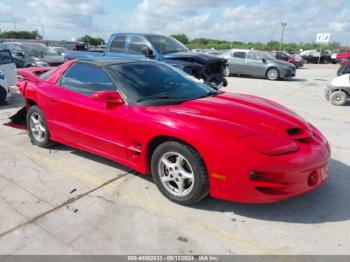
269 145
2 76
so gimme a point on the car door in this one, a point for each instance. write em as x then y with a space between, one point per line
237 62
254 64
83 121
8 67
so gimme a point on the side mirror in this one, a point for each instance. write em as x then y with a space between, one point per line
111 98
147 52
264 61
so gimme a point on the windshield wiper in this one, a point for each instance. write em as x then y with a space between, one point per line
153 98
211 93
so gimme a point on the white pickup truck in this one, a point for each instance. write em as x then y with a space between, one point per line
7 72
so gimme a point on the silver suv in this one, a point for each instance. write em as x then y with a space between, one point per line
257 63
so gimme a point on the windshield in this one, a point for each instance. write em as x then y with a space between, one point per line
166 45
153 81
39 50
14 48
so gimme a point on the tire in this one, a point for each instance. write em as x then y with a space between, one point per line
326 61
184 182
227 71
273 74
3 94
338 98
37 128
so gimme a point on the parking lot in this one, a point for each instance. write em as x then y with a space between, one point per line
66 201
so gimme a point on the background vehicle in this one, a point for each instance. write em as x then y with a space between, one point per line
313 56
257 63
344 68
28 54
338 91
60 50
159 119
284 56
343 55
7 72
164 49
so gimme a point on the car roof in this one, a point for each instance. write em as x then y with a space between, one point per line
141 34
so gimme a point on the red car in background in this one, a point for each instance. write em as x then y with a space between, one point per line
193 139
281 55
343 55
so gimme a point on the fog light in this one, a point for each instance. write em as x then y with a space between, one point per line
313 178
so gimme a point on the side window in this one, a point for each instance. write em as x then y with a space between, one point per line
118 44
5 57
86 79
136 45
240 55
254 56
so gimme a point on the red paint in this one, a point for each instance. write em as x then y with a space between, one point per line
241 138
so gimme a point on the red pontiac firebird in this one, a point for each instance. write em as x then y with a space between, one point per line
193 139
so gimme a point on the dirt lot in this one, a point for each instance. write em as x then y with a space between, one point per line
65 201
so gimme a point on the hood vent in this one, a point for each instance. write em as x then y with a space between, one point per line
300 135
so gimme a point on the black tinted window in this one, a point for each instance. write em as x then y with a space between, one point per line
86 79
118 44
137 44
148 80
239 55
5 57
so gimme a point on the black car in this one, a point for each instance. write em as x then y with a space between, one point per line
314 57
27 54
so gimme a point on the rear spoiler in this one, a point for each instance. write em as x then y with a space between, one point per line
25 75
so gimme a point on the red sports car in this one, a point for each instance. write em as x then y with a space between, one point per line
194 140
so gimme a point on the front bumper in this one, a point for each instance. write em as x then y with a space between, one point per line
260 178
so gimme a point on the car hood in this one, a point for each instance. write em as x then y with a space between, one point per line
283 63
255 113
52 59
203 58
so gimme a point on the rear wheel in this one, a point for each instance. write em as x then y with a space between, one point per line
179 173
3 94
273 74
37 127
338 98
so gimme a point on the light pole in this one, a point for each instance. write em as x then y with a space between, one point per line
284 24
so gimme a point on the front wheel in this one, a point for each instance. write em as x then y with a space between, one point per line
37 127
179 173
273 74
227 71
338 98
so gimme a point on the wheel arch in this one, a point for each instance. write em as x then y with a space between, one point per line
30 102
158 140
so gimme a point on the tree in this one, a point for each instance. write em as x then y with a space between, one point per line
91 40
182 38
21 34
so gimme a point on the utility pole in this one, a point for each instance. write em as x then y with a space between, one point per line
284 24
42 31
15 22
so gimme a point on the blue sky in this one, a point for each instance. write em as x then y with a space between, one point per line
233 20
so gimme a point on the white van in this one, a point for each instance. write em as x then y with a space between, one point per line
7 72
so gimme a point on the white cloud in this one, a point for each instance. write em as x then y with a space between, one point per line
259 21
76 16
